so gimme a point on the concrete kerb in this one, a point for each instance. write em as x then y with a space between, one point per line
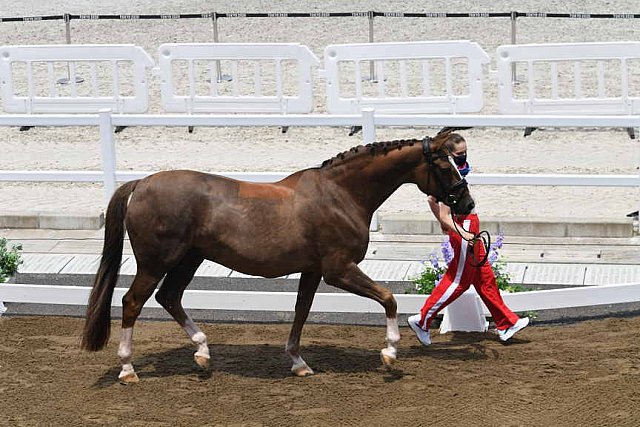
398 223
52 220
390 223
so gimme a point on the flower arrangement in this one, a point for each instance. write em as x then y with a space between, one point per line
434 270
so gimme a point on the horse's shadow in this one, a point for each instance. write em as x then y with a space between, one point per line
268 361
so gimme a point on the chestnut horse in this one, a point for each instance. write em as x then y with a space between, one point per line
315 221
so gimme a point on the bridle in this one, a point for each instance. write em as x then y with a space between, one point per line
450 190
451 200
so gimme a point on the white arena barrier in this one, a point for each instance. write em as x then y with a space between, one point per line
263 77
74 78
338 302
409 77
603 78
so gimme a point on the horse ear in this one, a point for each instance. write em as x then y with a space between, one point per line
447 130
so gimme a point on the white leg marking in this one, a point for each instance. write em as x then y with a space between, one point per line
125 351
198 337
393 337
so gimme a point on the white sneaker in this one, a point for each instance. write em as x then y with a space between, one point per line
505 334
423 336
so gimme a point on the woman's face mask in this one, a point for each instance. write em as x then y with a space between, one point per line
461 162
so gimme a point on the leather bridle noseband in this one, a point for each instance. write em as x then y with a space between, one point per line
451 200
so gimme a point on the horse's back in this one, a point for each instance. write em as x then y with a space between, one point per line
244 225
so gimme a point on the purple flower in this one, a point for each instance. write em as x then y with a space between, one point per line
499 240
493 256
447 250
434 260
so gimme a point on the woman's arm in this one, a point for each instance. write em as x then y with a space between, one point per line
442 213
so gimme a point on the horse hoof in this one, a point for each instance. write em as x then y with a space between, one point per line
302 370
131 378
388 359
203 362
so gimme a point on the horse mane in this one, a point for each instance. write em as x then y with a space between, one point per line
372 149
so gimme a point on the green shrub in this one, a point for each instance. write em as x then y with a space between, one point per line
9 259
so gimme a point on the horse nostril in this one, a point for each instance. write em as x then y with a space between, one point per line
471 206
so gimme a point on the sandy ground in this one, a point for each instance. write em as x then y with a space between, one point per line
585 374
267 149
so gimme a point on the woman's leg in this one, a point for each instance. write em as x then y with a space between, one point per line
455 281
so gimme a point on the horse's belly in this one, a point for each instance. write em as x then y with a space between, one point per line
276 267
261 259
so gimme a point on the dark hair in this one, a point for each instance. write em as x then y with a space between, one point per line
453 140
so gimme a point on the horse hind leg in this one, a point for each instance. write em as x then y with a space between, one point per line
141 289
306 290
169 296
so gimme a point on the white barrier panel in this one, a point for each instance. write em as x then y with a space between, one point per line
94 77
570 78
259 78
408 77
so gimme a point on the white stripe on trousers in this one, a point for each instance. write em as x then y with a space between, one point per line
456 281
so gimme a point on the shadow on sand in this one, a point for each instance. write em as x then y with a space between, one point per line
268 361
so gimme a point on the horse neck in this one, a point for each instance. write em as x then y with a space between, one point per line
372 179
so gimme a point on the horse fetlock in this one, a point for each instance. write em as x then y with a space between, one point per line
199 338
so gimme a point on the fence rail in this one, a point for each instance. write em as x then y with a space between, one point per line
328 302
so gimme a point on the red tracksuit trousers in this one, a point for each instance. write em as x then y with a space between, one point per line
461 274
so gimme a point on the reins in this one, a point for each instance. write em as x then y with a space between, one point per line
480 236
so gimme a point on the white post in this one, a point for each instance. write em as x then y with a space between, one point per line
2 308
108 151
369 136
368 126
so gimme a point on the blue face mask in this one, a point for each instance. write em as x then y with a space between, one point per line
465 169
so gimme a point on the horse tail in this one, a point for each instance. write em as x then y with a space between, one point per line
97 326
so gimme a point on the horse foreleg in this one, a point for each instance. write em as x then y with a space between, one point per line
132 303
352 279
307 288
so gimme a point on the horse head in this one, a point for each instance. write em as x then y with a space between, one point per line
439 176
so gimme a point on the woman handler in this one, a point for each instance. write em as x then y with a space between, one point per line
463 270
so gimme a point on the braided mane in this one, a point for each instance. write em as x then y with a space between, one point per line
372 149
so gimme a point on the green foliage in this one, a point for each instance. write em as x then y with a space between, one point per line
428 279
9 259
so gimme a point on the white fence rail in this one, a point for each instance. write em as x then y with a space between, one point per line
327 302
368 120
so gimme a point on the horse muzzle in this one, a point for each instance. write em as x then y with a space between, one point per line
463 206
